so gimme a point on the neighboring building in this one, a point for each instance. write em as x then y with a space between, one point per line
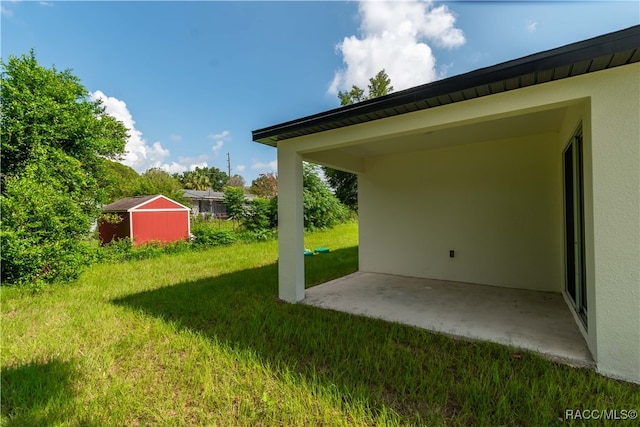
146 219
529 169
209 203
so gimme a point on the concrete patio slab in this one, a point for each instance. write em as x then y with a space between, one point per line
531 320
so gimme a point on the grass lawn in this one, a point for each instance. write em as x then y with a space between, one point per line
200 338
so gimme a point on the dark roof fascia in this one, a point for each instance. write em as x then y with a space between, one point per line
585 50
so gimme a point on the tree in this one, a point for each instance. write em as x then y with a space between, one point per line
203 179
258 215
345 184
265 185
217 178
158 181
197 179
119 181
236 181
379 85
321 208
235 201
54 142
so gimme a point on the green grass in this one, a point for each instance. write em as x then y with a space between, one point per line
200 338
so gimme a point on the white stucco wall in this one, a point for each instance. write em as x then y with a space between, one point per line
615 156
497 204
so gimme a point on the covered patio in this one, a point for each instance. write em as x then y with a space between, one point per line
520 179
530 320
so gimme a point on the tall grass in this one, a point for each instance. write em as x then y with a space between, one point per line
200 338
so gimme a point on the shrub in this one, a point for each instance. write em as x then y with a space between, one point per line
321 208
115 251
54 137
205 235
235 200
41 233
257 215
122 250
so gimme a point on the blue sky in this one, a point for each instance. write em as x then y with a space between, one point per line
192 79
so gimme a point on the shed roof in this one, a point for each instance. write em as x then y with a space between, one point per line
131 203
595 54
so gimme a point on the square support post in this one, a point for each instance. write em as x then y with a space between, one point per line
290 225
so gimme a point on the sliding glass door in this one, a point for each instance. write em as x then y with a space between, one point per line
576 284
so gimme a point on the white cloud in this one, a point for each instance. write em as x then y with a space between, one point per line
225 134
46 3
173 167
139 154
393 36
240 168
532 26
273 165
220 138
6 12
186 164
175 137
217 146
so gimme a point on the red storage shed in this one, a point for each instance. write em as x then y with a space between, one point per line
146 219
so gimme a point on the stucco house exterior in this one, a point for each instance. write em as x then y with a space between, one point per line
529 170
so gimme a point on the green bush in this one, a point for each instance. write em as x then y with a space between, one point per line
205 235
41 233
122 250
115 251
257 215
321 208
235 200
54 138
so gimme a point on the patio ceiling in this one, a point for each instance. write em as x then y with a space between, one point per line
536 123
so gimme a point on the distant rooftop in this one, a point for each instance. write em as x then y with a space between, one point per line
210 195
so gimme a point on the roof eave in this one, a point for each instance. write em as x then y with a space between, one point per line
575 53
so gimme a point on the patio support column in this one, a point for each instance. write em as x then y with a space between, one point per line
290 225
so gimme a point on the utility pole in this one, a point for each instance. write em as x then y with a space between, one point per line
229 164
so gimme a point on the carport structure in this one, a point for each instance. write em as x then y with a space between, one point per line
524 175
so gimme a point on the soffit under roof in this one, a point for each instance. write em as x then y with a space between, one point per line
541 122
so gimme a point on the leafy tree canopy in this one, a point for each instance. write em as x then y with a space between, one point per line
379 85
197 179
235 200
345 184
158 181
119 181
46 108
54 142
321 208
217 178
265 185
236 181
